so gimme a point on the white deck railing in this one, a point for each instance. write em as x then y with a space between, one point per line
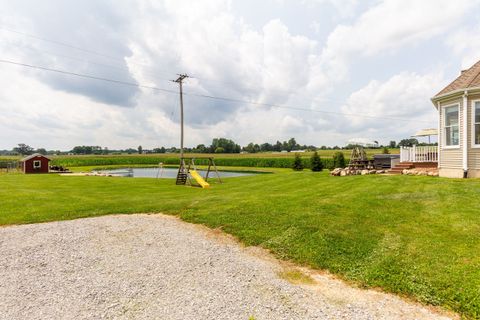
419 154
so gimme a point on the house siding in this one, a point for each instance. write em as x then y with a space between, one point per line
451 158
473 152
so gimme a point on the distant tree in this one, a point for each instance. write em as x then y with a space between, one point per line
408 142
385 150
278 146
140 150
130 150
266 147
228 145
316 163
250 148
41 151
23 149
201 148
292 144
219 150
339 160
393 144
297 163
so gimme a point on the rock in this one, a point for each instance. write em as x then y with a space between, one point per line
372 172
364 172
343 173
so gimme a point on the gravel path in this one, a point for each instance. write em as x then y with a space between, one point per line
157 267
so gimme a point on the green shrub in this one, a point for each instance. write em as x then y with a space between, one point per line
339 160
297 163
316 163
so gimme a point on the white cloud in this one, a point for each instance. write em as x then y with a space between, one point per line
390 25
403 96
227 58
465 43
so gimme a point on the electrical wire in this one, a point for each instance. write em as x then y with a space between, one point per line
225 99
205 79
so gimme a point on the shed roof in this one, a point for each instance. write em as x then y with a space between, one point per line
33 156
469 78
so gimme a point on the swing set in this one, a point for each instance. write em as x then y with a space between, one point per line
187 173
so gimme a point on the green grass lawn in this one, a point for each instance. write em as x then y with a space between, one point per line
415 236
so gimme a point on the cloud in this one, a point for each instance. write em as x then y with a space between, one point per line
93 26
465 43
388 26
151 41
403 96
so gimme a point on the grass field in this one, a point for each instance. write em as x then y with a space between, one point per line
415 236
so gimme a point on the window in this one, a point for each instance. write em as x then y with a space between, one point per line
37 164
476 122
451 128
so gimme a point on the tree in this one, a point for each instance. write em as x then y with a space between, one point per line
41 151
201 148
338 160
228 145
316 163
219 150
292 144
408 142
23 149
140 150
393 144
385 150
277 147
297 163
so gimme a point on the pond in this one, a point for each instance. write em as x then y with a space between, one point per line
168 173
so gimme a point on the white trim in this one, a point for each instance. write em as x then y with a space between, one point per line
439 135
456 146
454 93
465 131
473 145
35 166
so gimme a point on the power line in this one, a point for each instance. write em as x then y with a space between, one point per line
56 55
131 84
68 45
226 99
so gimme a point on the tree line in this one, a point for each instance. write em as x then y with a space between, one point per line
218 145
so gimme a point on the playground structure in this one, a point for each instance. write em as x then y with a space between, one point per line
187 173
359 159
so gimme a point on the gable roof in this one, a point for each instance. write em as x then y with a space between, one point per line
33 156
469 78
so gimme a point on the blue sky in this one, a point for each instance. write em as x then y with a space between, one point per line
369 67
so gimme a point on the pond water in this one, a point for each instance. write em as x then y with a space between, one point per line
169 173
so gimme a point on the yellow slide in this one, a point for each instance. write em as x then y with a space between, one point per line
199 179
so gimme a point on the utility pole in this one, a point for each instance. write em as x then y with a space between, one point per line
180 83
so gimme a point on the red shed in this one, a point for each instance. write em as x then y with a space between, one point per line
36 163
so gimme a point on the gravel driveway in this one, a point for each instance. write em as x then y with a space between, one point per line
157 267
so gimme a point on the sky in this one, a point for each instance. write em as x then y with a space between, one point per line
322 71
